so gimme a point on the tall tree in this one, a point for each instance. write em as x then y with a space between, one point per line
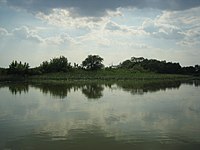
93 62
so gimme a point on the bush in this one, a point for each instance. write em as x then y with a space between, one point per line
18 68
55 65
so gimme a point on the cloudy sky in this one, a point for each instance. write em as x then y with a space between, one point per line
37 30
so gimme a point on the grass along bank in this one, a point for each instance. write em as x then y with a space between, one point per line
112 74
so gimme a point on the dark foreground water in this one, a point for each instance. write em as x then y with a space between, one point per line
126 115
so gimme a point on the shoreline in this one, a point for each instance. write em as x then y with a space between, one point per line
67 78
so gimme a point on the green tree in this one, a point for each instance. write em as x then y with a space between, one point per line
188 70
197 68
126 64
18 68
45 66
59 64
93 62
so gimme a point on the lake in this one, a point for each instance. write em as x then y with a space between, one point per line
100 116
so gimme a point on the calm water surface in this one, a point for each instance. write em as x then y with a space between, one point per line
131 115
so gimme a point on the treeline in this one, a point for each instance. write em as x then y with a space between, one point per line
59 64
153 65
95 62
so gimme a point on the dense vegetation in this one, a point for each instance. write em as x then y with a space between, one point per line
60 64
92 67
157 66
18 68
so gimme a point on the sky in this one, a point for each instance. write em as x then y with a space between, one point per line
34 31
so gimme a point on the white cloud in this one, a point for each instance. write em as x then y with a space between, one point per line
124 29
3 32
35 38
102 31
160 28
114 13
21 32
182 26
188 42
25 33
59 39
149 26
32 35
64 18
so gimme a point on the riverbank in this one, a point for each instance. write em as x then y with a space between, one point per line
107 75
118 74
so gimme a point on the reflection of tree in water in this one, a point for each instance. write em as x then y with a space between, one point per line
18 88
93 91
59 91
141 87
196 83
108 85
